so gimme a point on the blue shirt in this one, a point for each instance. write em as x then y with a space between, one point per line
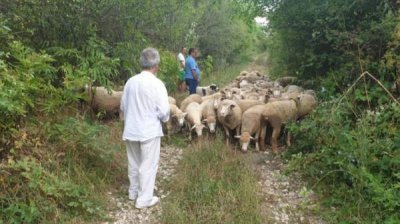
190 65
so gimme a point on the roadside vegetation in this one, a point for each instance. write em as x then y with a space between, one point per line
58 161
213 184
350 147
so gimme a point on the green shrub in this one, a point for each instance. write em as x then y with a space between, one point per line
64 178
354 161
169 70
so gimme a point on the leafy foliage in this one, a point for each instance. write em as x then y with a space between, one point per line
53 185
349 148
50 157
352 161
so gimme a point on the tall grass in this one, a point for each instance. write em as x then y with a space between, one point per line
223 75
61 173
213 184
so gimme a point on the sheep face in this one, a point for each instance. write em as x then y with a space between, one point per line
214 88
180 117
199 129
217 102
226 109
227 93
245 140
211 123
307 103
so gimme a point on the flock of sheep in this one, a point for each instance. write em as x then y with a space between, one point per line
246 106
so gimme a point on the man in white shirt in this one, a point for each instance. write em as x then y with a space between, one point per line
144 105
181 59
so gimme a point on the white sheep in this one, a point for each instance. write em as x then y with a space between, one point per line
276 114
207 90
209 115
171 100
246 104
284 81
212 96
191 98
251 124
293 89
307 103
100 99
194 117
177 115
230 116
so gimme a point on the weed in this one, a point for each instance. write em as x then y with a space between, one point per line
213 185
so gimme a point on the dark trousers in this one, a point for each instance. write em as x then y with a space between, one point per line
192 83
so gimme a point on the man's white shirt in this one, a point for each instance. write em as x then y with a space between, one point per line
144 104
181 57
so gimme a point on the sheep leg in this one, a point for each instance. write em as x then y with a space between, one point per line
227 135
257 139
288 139
274 139
261 139
237 130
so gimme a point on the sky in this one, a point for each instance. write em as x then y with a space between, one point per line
261 21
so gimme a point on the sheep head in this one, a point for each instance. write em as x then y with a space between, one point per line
198 128
211 123
245 140
180 117
214 88
226 108
307 103
217 101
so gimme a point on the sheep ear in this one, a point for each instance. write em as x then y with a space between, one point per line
184 114
237 136
203 126
233 106
194 126
252 138
204 120
174 115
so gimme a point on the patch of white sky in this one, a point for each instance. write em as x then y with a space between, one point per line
262 21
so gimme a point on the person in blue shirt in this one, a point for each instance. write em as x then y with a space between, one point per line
192 71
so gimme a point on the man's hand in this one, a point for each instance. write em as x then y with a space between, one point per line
195 75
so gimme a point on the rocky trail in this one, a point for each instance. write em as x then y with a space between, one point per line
285 199
126 213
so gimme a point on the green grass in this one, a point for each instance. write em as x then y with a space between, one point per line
213 184
223 76
62 173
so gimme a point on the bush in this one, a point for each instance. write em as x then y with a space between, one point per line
169 70
354 161
51 174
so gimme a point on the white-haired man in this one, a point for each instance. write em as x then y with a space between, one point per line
144 105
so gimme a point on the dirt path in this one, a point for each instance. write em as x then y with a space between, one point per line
126 213
285 199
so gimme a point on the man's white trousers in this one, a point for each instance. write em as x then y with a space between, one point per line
143 158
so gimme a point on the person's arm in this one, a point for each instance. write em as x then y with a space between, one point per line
122 103
194 74
163 108
192 66
181 60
